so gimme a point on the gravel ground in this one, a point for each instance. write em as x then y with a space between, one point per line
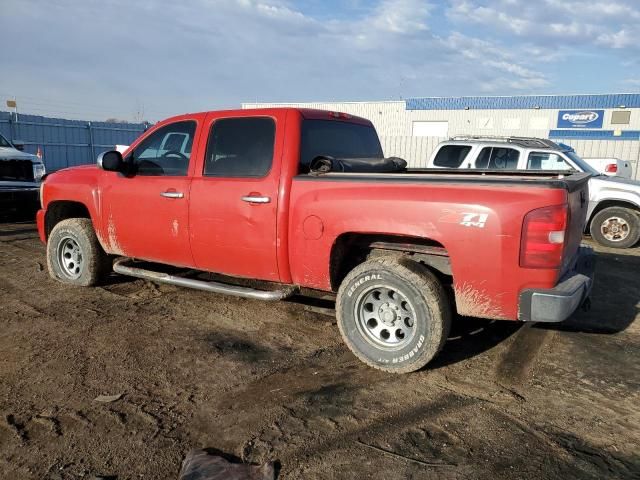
273 382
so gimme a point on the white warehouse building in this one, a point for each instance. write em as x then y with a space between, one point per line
606 125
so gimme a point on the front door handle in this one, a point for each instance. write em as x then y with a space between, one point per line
172 194
251 198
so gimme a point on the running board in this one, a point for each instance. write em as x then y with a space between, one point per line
215 287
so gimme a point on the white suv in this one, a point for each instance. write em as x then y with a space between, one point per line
613 217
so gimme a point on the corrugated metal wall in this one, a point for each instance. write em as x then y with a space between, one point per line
65 143
578 101
394 122
389 118
418 149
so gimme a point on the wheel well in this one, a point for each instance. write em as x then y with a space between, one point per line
62 210
351 249
611 203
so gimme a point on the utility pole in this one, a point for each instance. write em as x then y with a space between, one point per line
13 104
139 116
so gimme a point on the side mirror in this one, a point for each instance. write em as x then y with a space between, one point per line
19 144
111 161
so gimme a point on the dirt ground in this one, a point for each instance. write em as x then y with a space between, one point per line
273 382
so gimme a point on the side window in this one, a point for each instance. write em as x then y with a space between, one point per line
483 159
165 152
451 156
498 158
546 161
240 147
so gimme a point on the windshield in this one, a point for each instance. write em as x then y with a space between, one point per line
337 139
581 164
4 142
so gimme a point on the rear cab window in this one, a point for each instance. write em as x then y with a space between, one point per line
451 156
337 139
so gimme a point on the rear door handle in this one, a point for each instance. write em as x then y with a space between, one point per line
172 194
255 199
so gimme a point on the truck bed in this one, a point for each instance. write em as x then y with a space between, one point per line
470 214
549 178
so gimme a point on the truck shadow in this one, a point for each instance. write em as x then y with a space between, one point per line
615 304
471 337
615 298
27 230
13 227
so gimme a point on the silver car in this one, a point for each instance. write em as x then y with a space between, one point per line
613 217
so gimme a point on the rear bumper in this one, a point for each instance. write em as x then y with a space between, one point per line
558 303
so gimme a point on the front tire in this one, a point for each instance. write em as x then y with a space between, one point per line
393 314
74 255
616 227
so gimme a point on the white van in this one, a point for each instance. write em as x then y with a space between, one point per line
614 167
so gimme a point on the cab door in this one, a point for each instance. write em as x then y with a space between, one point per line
234 198
146 211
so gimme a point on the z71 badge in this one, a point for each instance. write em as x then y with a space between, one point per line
474 219
467 219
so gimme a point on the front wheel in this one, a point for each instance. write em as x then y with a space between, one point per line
616 227
74 255
393 314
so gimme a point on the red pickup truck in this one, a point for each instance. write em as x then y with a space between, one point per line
304 198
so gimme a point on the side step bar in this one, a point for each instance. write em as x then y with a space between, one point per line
120 267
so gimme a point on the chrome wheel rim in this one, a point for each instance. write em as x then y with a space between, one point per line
70 257
615 229
385 317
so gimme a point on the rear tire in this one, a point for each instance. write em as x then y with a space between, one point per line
393 314
616 227
74 255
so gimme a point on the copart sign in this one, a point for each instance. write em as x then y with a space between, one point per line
580 118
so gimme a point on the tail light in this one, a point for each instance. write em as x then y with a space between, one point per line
345 116
543 236
611 168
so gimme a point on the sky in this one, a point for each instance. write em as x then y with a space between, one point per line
150 59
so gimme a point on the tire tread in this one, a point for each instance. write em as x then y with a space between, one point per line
99 264
434 295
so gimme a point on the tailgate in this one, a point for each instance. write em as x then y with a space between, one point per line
624 169
578 200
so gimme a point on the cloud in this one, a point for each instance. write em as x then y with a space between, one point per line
99 58
501 69
621 39
400 16
555 22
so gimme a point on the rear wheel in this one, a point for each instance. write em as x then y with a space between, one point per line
74 255
393 314
616 227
